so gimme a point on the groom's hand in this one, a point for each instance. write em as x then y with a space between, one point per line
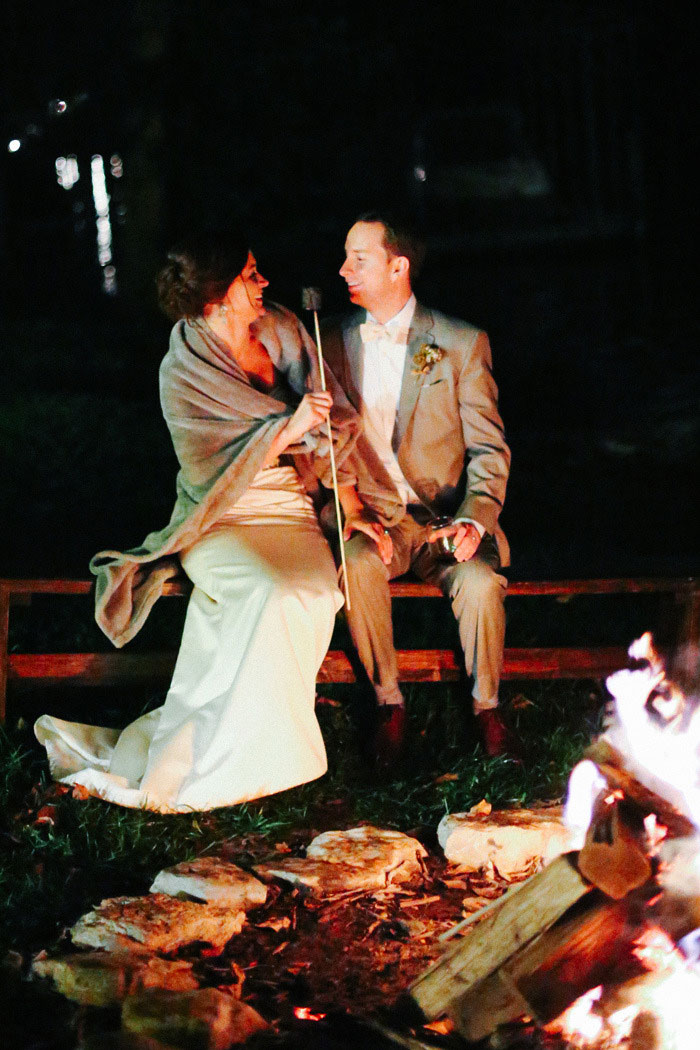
362 522
465 539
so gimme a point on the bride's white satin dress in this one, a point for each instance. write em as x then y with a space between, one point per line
238 722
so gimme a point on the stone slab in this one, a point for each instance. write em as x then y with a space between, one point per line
207 1019
510 840
106 978
156 923
367 844
214 880
361 859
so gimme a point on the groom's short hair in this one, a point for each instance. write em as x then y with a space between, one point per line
401 237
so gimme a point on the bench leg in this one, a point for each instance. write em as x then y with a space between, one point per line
688 638
4 647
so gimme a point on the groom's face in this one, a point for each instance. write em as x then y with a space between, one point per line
368 270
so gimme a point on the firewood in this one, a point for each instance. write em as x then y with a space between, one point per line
524 914
542 979
613 856
610 762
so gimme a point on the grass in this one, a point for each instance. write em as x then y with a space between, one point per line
83 471
60 855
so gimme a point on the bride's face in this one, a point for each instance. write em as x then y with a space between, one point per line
244 294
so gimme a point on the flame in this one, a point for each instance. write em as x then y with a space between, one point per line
305 1013
655 949
657 730
579 1025
656 833
669 993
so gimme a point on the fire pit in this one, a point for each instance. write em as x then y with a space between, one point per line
599 949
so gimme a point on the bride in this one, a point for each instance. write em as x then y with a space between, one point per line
240 393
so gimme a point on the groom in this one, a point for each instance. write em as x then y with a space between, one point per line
423 386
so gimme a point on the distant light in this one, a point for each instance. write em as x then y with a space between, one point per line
58 106
67 171
13 145
420 174
116 166
104 226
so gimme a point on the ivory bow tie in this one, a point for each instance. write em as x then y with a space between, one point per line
371 332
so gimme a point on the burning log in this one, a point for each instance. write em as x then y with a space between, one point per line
611 766
540 980
613 857
520 916
577 924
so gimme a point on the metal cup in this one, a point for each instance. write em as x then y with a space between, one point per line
444 545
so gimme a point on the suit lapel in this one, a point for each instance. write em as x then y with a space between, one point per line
419 333
353 359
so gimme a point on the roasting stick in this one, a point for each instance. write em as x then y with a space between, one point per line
311 300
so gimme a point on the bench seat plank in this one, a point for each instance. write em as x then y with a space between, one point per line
408 587
415 665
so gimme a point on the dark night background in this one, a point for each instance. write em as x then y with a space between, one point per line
549 147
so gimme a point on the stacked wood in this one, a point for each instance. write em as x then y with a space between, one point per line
563 931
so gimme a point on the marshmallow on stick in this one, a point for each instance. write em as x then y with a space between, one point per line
311 300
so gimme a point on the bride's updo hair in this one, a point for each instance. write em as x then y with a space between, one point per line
199 270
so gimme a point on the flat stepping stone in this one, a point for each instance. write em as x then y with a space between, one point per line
106 978
361 859
512 840
156 923
208 1019
213 880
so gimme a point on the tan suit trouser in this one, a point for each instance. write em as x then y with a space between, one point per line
476 591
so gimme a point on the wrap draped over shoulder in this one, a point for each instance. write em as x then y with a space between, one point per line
222 429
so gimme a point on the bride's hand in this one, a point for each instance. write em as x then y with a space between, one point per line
310 413
362 522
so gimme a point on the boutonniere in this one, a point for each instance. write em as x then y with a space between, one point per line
424 359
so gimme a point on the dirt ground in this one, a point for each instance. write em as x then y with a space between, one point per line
325 973
300 958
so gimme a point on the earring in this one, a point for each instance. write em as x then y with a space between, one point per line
223 309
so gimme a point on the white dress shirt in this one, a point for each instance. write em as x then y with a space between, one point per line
383 360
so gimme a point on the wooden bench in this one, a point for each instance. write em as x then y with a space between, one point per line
415 665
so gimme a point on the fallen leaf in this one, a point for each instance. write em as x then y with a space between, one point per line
327 701
420 901
282 923
46 815
482 807
445 777
522 873
519 702
443 1026
282 847
80 792
455 884
472 904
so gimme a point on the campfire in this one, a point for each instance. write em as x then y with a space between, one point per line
601 949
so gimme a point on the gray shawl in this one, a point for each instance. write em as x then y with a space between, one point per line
221 428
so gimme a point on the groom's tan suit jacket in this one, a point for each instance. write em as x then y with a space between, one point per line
448 436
